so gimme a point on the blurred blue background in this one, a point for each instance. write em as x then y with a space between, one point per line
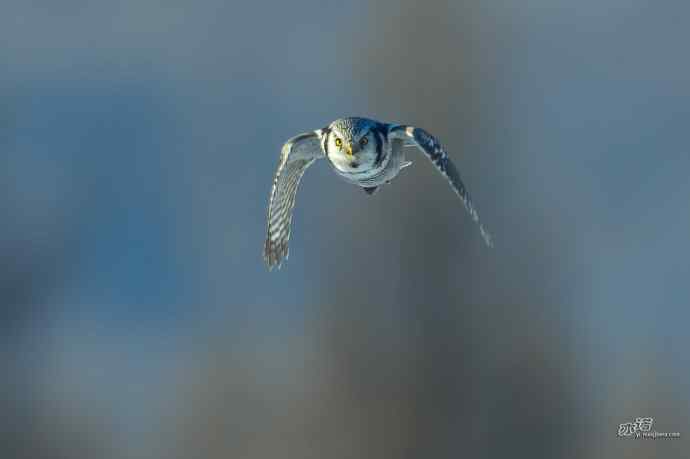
138 141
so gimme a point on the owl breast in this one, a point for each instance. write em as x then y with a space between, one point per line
365 169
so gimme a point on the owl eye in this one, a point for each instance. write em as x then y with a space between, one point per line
338 142
364 141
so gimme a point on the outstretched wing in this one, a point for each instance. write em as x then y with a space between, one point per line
297 155
435 152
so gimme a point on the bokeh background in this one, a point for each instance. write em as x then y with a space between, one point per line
138 140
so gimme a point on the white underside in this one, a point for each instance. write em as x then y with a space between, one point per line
393 162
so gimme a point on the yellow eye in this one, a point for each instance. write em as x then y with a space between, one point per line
338 142
364 141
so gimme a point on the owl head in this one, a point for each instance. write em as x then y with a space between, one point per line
353 143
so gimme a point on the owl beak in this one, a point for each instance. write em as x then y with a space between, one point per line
348 149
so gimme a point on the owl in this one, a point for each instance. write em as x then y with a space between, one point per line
366 153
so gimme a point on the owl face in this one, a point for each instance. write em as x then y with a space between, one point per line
351 145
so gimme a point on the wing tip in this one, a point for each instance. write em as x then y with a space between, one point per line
488 239
275 253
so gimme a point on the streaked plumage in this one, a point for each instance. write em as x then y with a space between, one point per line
364 152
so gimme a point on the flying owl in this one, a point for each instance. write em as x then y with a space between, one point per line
364 152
